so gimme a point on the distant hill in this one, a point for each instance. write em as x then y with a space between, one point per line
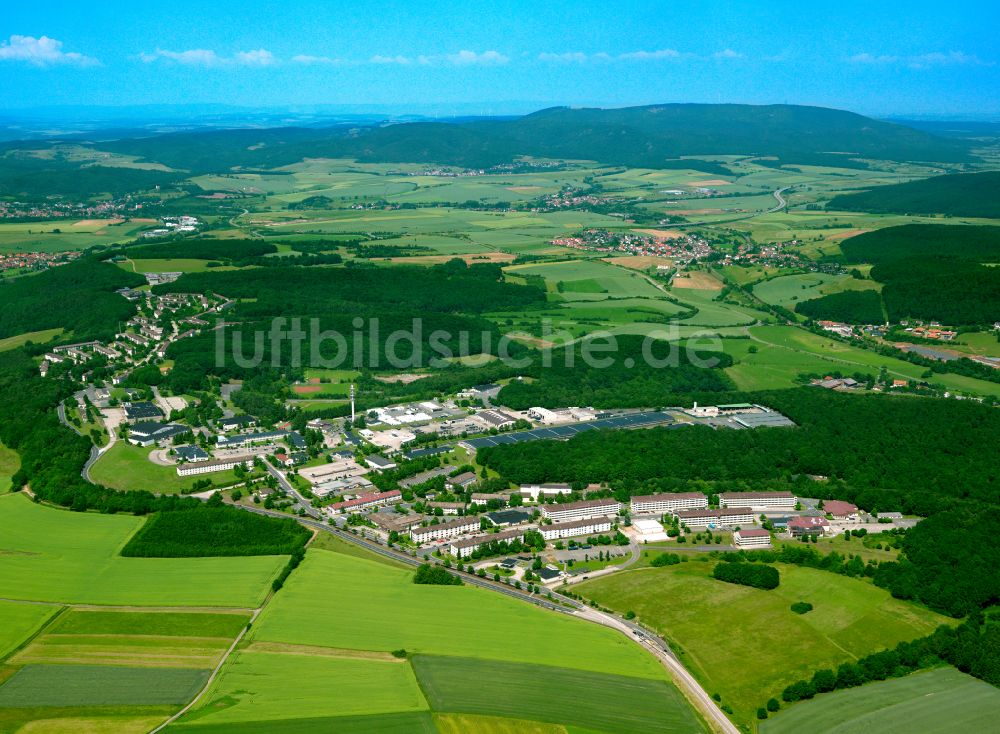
958 195
654 136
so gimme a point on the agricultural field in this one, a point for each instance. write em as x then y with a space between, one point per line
624 704
169 265
59 235
18 622
55 685
37 337
10 462
718 623
788 290
784 352
60 556
937 701
125 466
405 652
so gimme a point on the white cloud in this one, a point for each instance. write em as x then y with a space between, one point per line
210 59
399 59
727 53
42 51
921 61
664 53
486 58
317 60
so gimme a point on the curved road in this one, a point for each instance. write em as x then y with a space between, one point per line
692 690
777 194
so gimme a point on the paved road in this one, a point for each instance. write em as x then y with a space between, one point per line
777 194
559 603
290 489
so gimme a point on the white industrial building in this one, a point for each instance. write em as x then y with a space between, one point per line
575 528
726 517
206 467
582 510
659 504
758 500
649 531
534 491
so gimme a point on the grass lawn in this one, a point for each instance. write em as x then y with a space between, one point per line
389 612
10 462
607 703
19 621
261 686
125 466
61 556
714 624
99 685
937 701
37 337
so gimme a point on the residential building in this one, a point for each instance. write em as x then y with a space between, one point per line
758 500
484 498
249 439
751 538
808 525
447 508
468 546
364 502
237 422
726 517
451 529
659 504
573 528
582 510
206 467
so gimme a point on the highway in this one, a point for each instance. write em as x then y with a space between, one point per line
656 645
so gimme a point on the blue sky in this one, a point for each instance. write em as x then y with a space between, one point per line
872 57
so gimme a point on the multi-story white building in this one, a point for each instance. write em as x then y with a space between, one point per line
365 502
726 517
751 538
575 528
582 510
206 467
758 500
452 529
534 491
468 546
659 504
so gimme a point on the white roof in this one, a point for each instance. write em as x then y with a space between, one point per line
647 526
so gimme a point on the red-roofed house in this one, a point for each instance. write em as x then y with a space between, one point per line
840 510
808 525
751 538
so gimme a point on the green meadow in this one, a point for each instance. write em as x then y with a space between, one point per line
937 701
746 644
59 235
18 622
60 556
399 614
36 337
10 462
125 466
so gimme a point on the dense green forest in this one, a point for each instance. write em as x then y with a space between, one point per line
933 272
32 179
570 380
883 452
851 307
365 305
645 137
79 297
203 249
957 195
215 531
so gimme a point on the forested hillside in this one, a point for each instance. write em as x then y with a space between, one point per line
956 195
851 307
650 137
933 272
79 297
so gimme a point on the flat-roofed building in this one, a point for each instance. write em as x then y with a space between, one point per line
467 546
380 463
722 518
534 491
364 502
451 529
751 538
659 504
582 510
574 528
758 500
206 467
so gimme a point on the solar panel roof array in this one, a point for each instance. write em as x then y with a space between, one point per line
632 420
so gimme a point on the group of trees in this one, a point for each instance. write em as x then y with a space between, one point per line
850 307
756 575
435 575
956 194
